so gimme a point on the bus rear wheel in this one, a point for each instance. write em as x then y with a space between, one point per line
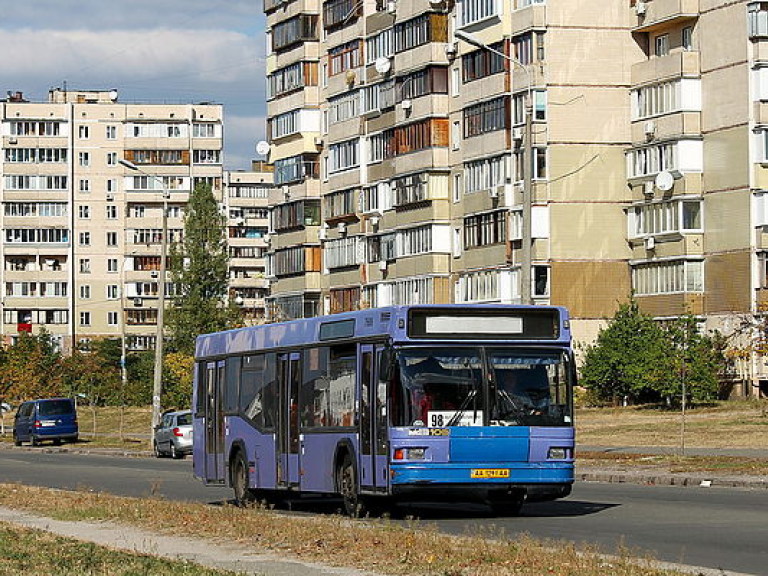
346 481
244 496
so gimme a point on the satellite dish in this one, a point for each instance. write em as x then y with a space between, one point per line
262 148
382 64
664 180
113 95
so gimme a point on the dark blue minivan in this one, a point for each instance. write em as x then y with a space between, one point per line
53 419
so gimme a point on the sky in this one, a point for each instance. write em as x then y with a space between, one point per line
155 51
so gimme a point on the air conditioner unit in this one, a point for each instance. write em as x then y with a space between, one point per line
318 141
650 243
383 265
650 128
451 48
342 228
153 274
517 133
13 140
240 221
648 188
138 302
110 197
494 193
406 104
391 6
640 8
322 234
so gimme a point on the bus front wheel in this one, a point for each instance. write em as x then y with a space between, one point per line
240 482
346 480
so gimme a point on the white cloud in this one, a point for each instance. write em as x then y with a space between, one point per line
162 64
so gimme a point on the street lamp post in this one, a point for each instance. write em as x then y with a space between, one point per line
526 256
157 388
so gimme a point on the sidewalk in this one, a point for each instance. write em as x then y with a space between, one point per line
650 476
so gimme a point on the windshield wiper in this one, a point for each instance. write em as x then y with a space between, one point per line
456 418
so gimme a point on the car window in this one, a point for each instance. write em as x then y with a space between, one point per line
55 408
184 419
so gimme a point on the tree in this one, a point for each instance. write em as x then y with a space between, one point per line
32 368
95 373
177 375
697 360
199 270
629 358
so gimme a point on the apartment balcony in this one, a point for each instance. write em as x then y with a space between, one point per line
656 14
418 57
761 112
529 18
674 65
671 304
280 10
660 127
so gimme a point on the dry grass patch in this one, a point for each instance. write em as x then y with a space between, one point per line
377 545
672 463
733 424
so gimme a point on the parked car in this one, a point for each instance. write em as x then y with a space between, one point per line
53 419
173 437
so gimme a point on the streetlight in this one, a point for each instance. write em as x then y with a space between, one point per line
527 246
157 388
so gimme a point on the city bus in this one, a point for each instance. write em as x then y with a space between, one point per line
387 405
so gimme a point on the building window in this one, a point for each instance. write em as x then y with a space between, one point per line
84 132
485 174
85 318
112 318
296 30
340 253
84 212
539 161
84 158
344 57
85 292
343 156
111 158
486 117
112 265
686 35
668 277
286 80
111 212
111 238
337 13
111 132
85 185
112 292
85 265
485 229
84 238
758 19
666 217
661 45
471 11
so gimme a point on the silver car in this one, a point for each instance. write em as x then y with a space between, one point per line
173 437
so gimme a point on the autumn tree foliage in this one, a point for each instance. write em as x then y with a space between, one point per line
31 368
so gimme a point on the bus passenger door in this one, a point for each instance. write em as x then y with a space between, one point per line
214 423
288 378
373 441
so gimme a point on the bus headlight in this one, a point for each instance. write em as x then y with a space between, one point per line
410 453
557 453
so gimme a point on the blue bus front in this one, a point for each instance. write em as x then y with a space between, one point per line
491 423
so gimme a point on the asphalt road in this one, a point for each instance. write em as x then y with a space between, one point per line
710 527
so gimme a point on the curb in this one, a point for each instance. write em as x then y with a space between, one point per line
654 479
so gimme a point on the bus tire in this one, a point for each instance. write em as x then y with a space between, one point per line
346 481
244 496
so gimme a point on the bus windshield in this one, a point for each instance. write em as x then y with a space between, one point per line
476 386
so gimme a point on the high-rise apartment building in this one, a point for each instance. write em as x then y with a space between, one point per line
246 198
540 151
82 232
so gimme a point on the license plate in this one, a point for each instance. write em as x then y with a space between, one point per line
490 473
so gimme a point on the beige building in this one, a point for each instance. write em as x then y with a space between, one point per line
82 232
535 151
246 198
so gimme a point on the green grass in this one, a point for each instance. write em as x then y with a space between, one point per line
26 551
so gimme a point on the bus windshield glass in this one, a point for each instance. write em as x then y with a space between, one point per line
475 386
